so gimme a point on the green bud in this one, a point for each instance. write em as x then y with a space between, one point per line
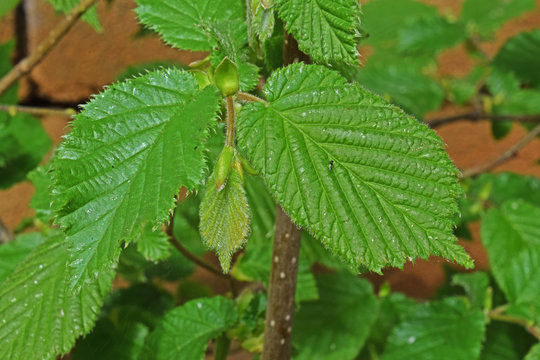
237 166
200 64
223 167
247 166
226 77
202 78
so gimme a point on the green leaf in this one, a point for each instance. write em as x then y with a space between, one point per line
442 330
182 24
403 84
502 83
373 184
41 201
18 156
522 102
461 90
337 325
231 41
90 16
385 19
505 341
327 30
185 331
511 236
153 244
7 5
486 16
225 218
130 151
429 35
127 318
506 186
534 353
393 309
520 54
476 286
41 315
112 341
14 252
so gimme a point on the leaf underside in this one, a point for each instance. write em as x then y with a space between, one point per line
325 29
373 184
225 218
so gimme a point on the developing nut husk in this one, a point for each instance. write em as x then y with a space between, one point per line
226 77
223 166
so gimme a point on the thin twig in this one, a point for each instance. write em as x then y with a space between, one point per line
184 251
38 111
28 63
178 245
508 154
250 98
534 330
477 116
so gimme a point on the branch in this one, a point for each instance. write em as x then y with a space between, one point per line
508 154
497 315
184 251
28 63
284 271
14 109
477 116
281 289
5 234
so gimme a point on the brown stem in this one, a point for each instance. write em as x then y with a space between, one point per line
27 64
231 119
184 251
281 290
282 286
248 97
5 234
508 154
14 109
477 116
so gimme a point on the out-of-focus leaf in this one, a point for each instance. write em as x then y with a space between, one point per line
534 353
403 84
486 16
429 35
90 16
520 55
14 252
7 5
384 19
442 330
498 188
337 324
506 341
476 285
41 201
393 309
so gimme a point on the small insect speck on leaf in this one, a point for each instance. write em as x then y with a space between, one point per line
331 165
